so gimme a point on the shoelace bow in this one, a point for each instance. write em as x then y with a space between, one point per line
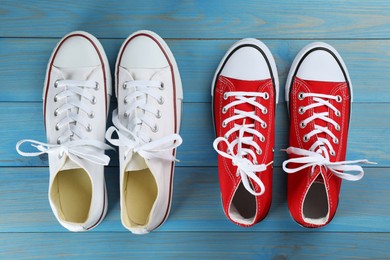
138 114
72 140
318 155
246 168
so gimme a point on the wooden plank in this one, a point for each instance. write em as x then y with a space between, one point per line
24 205
194 19
199 245
369 127
23 65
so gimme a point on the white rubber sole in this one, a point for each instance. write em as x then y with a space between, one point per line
267 53
104 210
299 57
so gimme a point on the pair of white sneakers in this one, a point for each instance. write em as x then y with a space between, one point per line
76 99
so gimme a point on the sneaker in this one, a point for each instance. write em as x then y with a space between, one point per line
245 94
147 122
319 97
76 98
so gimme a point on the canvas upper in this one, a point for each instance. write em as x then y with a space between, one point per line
244 100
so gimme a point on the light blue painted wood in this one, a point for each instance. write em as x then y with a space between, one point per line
196 245
25 121
23 65
199 33
196 203
199 19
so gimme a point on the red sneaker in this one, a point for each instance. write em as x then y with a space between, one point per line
319 97
245 91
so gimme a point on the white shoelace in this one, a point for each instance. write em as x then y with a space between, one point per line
72 141
246 168
318 154
139 113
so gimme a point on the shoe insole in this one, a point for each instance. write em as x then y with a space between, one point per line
140 194
315 205
72 194
244 202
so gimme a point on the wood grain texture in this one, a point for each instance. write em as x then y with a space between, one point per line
197 60
199 19
199 245
199 33
196 203
24 121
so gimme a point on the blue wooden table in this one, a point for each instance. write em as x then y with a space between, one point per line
199 33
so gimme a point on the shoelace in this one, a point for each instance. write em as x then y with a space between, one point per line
318 154
72 141
140 112
245 168
76 148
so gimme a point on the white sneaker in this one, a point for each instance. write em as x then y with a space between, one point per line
147 121
76 99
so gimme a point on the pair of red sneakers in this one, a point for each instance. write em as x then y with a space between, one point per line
319 95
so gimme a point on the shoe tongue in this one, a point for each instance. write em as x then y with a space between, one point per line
143 74
70 165
136 163
320 87
246 86
319 179
83 73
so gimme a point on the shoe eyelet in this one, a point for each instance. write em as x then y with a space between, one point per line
336 141
126 115
56 84
264 111
89 128
56 112
301 110
264 125
224 110
302 125
226 137
301 96
339 99
333 153
162 87
266 96
96 85
55 98
155 129
259 152
225 96
338 128
93 101
125 85
58 140
60 155
91 115
262 139
305 139
224 124
125 101
57 127
338 113
158 115
161 101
